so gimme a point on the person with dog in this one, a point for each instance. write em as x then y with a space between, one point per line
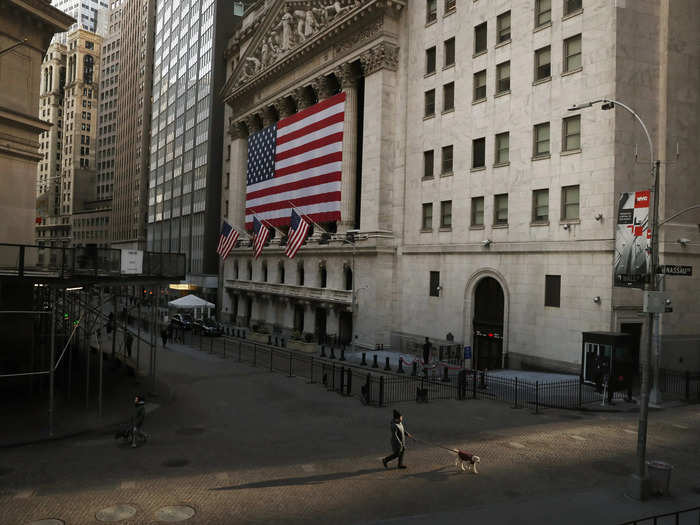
398 440
139 418
427 346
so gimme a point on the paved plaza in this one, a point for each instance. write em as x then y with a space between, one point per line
236 444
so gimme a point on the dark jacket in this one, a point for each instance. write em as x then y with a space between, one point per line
398 436
140 414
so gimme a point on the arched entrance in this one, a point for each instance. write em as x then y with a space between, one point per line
488 324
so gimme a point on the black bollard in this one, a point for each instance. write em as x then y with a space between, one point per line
323 351
375 364
400 370
482 383
445 376
414 369
341 391
442 352
332 353
342 353
269 339
386 366
349 382
364 359
283 341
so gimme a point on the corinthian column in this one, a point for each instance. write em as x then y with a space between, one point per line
347 77
237 176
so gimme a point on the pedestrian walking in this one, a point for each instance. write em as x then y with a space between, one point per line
398 440
427 346
128 342
164 336
138 419
170 332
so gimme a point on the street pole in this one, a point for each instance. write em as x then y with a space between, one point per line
52 342
100 357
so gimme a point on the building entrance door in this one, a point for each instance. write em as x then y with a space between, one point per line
320 325
488 324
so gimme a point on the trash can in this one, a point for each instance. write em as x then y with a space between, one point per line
659 477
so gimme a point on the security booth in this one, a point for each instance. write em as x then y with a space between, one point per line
609 355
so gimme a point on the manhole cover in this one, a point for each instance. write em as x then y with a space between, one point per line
116 513
177 462
49 521
5 470
190 431
174 513
611 467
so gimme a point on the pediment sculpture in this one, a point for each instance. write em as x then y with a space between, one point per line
295 23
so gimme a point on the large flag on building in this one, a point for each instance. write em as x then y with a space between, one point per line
227 240
260 236
297 163
298 229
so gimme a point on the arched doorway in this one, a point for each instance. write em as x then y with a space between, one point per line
488 324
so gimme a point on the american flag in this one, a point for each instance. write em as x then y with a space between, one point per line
297 162
260 235
298 229
227 240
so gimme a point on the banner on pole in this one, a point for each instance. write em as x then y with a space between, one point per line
632 239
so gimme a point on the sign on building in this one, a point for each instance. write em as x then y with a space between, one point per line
632 239
674 269
132 261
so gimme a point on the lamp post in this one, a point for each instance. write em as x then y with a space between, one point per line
639 486
351 238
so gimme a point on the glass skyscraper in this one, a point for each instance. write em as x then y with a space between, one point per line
186 132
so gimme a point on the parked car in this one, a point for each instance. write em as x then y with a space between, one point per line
182 321
208 326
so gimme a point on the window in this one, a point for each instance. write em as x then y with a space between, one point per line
479 153
569 203
448 97
543 12
540 206
434 284
430 11
541 140
323 276
228 180
450 5
480 39
447 160
572 54
427 222
300 274
500 209
503 28
572 6
552 290
503 78
428 164
543 66
280 272
480 86
571 133
264 272
502 152
477 211
430 61
449 52
429 103
446 214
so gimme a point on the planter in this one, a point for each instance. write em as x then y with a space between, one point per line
307 348
257 337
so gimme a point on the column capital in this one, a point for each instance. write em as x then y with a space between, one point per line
322 86
382 56
237 129
268 116
347 75
284 107
252 122
300 97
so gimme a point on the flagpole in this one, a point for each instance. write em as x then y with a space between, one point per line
263 221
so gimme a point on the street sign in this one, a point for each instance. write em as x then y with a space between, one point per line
467 352
674 269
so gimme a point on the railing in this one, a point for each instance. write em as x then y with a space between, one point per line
684 385
57 262
682 517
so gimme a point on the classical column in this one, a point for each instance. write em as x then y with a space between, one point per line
301 98
323 87
269 117
378 141
238 166
284 107
347 77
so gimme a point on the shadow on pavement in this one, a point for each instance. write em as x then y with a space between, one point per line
309 480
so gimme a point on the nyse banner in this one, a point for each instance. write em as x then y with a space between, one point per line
632 240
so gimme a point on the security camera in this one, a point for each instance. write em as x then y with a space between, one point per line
683 242
566 226
486 242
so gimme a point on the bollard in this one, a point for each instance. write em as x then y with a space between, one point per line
537 397
323 351
386 366
414 369
381 347
516 393
375 364
400 370
270 349
342 353
243 334
269 339
367 389
445 376
364 359
255 354
442 351
342 381
332 353
290 365
462 381
381 391
482 382
239 351
349 382
333 377
311 370
284 342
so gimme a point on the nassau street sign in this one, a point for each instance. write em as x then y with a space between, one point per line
674 269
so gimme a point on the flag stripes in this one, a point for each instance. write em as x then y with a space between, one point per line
227 240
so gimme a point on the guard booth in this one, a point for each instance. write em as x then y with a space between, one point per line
609 353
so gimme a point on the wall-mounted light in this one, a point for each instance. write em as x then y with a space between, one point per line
596 299
599 217
683 242
486 243
566 226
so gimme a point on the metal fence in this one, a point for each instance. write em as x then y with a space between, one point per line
685 385
682 517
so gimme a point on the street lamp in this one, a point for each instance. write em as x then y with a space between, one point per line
640 481
351 238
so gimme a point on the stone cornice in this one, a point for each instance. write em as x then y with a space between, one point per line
264 61
382 56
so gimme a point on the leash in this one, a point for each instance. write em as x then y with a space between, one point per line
436 445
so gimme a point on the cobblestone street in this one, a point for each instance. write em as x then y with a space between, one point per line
239 444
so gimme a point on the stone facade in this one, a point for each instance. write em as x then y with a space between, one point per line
414 84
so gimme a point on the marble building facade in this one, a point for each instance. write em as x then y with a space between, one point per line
477 204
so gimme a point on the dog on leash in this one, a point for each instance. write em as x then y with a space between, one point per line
467 461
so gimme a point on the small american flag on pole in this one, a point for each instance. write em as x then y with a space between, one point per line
297 160
298 230
227 240
260 234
